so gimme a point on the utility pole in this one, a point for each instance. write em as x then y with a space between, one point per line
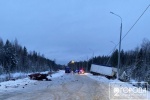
118 71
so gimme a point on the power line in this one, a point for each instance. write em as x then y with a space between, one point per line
129 31
136 22
131 27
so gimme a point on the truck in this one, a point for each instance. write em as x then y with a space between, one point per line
67 69
109 72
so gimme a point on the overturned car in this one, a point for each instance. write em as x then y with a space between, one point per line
39 76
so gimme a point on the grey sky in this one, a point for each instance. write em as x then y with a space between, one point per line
72 29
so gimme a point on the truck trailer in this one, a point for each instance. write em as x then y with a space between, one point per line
109 72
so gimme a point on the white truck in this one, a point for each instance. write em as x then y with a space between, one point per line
109 72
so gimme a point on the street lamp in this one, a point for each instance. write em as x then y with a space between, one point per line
72 62
119 44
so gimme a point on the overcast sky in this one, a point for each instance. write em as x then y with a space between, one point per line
67 30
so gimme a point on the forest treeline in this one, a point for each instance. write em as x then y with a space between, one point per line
15 58
136 63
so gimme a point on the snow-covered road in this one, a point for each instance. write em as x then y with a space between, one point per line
66 87
62 87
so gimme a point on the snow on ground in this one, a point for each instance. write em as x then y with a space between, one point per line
101 78
14 84
58 74
8 85
18 75
21 83
116 82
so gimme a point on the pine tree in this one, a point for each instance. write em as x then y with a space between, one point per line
9 58
1 51
25 58
114 58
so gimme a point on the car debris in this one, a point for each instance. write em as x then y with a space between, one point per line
39 76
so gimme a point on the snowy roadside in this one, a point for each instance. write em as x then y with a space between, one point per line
10 85
115 83
99 78
17 75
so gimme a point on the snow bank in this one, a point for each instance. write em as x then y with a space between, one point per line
116 81
18 75
14 84
101 78
58 74
98 78
23 82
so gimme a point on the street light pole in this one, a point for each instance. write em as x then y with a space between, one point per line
119 45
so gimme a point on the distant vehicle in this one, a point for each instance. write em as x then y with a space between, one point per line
81 71
109 72
67 70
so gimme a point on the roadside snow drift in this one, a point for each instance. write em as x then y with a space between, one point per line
10 85
112 84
